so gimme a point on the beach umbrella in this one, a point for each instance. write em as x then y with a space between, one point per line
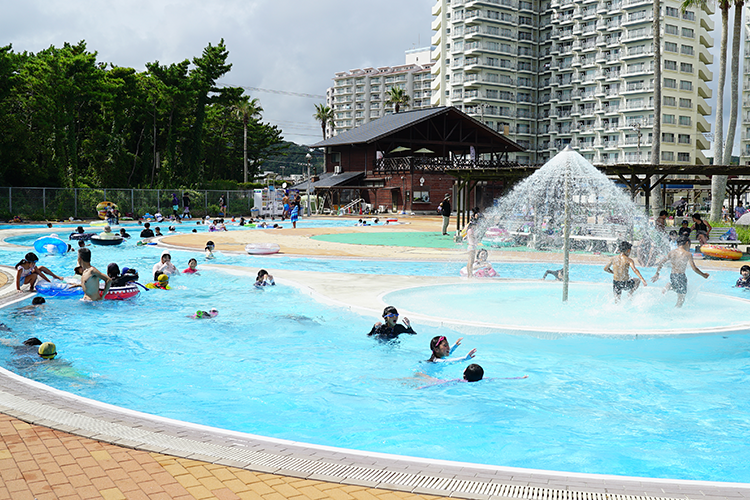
399 149
424 150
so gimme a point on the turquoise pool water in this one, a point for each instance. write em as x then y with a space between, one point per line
277 363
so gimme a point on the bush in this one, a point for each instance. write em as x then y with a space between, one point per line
743 233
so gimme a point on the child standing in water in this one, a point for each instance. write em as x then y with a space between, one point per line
192 267
744 281
441 349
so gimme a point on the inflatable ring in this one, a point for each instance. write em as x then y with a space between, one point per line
719 252
262 248
481 273
102 207
57 289
50 245
98 240
495 232
121 292
80 236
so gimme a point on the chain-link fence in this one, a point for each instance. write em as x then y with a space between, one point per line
63 203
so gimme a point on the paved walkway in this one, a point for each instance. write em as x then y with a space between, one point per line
41 463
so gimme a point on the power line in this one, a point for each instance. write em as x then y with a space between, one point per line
274 91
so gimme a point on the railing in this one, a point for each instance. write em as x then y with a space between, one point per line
42 203
405 164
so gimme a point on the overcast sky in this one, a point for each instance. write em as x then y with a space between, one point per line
279 45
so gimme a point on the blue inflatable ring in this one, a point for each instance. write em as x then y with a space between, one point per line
49 245
57 289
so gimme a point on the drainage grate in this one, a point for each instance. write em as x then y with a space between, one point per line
114 432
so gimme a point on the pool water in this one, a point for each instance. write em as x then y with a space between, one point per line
275 362
537 306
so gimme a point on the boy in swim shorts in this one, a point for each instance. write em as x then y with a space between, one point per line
679 258
619 266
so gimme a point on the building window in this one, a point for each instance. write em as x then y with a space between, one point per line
667 137
671 29
688 32
683 138
670 65
686 103
686 85
685 120
687 50
421 197
683 156
668 119
670 83
670 47
689 15
667 156
686 67
670 101
673 12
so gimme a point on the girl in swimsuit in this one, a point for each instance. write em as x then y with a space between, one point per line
27 275
441 349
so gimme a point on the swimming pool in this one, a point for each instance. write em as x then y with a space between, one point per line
276 362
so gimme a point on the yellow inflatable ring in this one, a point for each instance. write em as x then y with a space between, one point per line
719 252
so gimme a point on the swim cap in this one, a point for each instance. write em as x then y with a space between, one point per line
47 350
213 312
163 278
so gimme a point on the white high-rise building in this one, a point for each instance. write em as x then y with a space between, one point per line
578 72
745 137
360 95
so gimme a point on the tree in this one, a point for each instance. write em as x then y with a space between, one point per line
245 110
324 115
733 110
398 97
718 182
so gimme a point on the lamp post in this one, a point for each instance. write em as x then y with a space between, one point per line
309 181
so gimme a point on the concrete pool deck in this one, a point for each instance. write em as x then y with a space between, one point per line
57 445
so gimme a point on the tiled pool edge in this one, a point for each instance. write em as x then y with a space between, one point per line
42 405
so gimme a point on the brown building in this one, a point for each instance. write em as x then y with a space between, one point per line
408 161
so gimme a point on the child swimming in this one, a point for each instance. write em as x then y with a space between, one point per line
744 281
472 373
441 349
209 249
264 279
161 282
205 314
192 267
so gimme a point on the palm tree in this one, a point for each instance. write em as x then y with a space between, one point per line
718 182
245 110
324 115
398 97
733 110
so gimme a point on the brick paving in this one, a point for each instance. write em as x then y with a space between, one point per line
37 463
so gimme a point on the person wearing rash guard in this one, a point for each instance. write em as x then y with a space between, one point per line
390 329
441 349
192 267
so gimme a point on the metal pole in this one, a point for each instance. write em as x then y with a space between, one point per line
309 183
44 201
75 202
10 200
132 201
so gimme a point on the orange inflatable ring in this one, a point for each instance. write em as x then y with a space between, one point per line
101 208
719 252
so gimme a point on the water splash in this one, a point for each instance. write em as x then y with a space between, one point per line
601 213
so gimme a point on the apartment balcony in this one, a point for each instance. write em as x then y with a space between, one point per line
702 125
701 142
707 23
437 8
703 90
436 23
704 73
703 107
705 39
704 55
